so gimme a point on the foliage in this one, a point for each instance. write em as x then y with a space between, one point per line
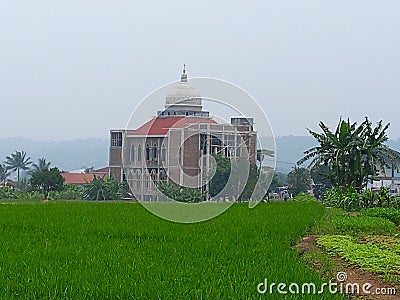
299 180
354 154
351 200
390 214
18 161
9 192
40 166
47 180
181 193
69 192
251 182
303 197
221 175
363 225
92 250
320 179
104 189
379 257
3 173
260 155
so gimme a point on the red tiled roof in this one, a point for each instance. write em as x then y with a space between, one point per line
78 178
160 126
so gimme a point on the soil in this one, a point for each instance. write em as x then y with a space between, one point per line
354 274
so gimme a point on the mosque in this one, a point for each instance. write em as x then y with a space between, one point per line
176 144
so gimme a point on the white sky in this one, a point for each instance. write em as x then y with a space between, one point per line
74 69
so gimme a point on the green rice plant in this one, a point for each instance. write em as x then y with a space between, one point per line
103 250
390 214
356 225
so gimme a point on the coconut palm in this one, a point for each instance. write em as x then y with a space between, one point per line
261 153
3 173
18 161
41 165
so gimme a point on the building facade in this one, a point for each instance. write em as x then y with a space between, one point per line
175 146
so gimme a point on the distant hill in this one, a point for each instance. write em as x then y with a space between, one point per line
66 155
79 153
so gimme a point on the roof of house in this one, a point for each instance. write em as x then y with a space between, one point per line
79 178
161 125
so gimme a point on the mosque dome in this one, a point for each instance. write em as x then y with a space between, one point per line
183 96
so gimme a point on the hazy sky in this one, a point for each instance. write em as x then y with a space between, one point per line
74 69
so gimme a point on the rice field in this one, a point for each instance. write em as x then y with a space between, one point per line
97 250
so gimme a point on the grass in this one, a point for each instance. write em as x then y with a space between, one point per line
361 225
84 250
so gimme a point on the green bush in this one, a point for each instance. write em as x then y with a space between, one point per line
348 200
104 189
69 192
363 225
303 197
352 200
390 214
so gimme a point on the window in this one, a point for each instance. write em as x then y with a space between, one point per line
148 152
155 151
132 153
139 153
163 153
116 139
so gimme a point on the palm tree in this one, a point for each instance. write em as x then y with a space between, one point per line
353 153
3 173
261 153
40 166
18 161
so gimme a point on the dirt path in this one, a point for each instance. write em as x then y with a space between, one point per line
351 274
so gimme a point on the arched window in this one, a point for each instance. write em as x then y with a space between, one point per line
163 153
148 152
139 153
132 153
155 151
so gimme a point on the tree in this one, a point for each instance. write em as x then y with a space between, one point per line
3 173
353 153
299 180
321 180
261 153
18 161
221 175
47 180
104 189
40 166
180 193
87 170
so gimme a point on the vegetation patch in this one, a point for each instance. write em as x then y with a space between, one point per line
388 213
99 250
356 225
377 257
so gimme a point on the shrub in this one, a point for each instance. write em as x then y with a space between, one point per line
348 200
351 200
363 225
390 214
69 192
303 197
104 189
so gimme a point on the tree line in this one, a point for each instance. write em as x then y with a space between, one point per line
45 180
